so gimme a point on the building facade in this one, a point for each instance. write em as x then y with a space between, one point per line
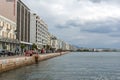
39 31
54 42
16 14
8 25
23 23
48 39
8 9
44 32
7 34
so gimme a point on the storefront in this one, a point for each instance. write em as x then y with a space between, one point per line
8 44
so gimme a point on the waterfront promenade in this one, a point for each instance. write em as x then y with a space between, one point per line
11 57
73 66
12 62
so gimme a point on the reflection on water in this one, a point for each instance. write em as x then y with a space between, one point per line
73 66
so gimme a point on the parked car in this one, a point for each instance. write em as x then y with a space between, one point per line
10 53
18 52
28 52
3 52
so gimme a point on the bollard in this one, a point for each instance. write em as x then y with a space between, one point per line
36 58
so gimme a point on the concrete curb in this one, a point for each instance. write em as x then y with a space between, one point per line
12 63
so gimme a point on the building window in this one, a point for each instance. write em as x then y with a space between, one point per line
6 34
14 36
8 26
2 33
5 24
10 35
1 23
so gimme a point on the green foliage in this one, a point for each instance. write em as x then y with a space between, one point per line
34 46
22 46
44 46
47 47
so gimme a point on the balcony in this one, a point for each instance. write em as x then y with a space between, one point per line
8 29
9 40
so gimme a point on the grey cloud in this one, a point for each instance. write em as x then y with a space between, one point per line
102 27
115 35
96 1
99 1
69 24
73 23
98 30
61 26
78 0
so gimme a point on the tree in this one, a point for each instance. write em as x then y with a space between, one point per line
48 47
34 46
44 46
22 47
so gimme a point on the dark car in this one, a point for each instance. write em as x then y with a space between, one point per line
3 52
10 53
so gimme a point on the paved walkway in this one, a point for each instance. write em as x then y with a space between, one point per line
9 57
16 56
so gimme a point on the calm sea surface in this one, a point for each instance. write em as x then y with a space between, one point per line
73 66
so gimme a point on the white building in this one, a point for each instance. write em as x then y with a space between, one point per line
38 31
59 44
54 42
48 39
44 32
7 34
33 19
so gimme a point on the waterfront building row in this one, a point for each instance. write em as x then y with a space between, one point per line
19 26
59 44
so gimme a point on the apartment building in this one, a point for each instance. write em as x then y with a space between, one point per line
39 31
17 14
8 24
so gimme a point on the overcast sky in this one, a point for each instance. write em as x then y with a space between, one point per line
86 23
